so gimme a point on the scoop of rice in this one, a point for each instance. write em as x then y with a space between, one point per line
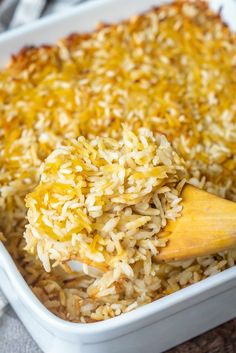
105 202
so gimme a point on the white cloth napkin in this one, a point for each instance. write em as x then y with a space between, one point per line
8 8
3 303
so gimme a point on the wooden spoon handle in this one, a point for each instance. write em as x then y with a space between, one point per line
207 226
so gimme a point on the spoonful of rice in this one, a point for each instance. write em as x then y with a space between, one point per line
123 205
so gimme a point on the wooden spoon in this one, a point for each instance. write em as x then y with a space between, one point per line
207 226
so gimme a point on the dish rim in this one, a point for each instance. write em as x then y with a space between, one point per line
158 306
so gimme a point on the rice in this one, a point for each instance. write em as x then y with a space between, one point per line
172 71
106 205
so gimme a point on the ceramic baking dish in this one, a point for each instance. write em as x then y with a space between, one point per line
155 327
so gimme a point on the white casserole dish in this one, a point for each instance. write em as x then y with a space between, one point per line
155 327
